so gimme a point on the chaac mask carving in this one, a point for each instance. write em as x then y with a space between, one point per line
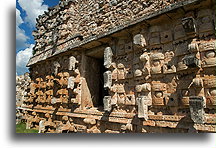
41 97
62 79
62 96
49 81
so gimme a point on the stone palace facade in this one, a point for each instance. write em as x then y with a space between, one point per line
123 66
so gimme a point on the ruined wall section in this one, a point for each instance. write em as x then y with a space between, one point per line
163 72
74 21
22 88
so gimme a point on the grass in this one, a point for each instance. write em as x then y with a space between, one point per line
21 128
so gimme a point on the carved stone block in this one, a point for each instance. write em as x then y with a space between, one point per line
205 22
154 38
56 66
208 58
157 60
144 87
72 63
193 47
197 105
137 73
108 57
71 82
166 36
209 83
49 81
142 102
179 32
121 73
49 95
107 79
189 25
158 90
41 97
191 61
205 46
62 95
128 47
107 103
139 41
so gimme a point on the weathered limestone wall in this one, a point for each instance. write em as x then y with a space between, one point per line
22 86
76 20
156 75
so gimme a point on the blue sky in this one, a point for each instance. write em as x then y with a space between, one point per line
26 13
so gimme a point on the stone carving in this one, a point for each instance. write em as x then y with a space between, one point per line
62 96
121 71
146 64
209 83
62 79
49 96
144 87
49 81
191 61
107 79
157 60
72 63
71 82
137 73
107 103
205 25
166 36
41 97
56 66
128 47
157 68
197 105
208 54
189 25
108 57
139 41
40 84
41 127
142 107
154 35
169 62
158 93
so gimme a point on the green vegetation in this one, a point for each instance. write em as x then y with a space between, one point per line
21 128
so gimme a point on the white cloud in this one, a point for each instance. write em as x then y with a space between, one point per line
22 59
21 38
18 18
33 8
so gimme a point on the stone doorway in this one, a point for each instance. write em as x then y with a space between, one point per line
94 70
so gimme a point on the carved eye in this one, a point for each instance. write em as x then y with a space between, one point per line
156 63
185 92
213 92
205 19
210 54
159 94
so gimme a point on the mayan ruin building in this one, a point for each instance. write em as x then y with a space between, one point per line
123 66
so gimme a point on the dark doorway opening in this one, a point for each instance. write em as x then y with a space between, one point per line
94 70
